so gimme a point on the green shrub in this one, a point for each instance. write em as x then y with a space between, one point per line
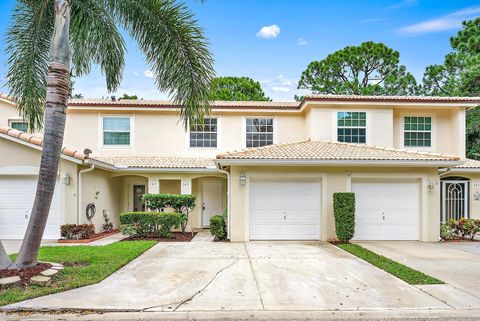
344 212
464 227
77 231
218 227
149 224
180 203
446 232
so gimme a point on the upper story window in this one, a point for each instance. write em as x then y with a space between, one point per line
204 134
417 132
116 130
259 132
351 127
19 125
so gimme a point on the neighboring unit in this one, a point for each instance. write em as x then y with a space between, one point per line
273 165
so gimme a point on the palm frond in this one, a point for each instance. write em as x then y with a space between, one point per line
95 38
175 48
28 46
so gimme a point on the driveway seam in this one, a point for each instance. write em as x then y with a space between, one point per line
433 296
254 276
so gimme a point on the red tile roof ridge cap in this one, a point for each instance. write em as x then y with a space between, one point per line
247 149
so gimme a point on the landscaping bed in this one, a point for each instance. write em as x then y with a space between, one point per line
25 274
173 237
83 265
95 237
399 270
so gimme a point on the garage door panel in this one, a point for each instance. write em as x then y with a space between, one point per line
386 211
284 210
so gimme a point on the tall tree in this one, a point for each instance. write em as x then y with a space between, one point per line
48 36
369 69
129 97
237 88
460 76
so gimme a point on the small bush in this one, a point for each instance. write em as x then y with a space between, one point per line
344 212
464 227
180 203
149 224
218 227
77 231
446 232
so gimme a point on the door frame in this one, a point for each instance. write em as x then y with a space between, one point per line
203 199
130 192
292 176
466 201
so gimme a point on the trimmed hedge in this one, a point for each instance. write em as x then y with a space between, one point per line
77 231
149 224
218 227
344 212
180 203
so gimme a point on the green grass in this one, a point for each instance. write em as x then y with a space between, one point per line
401 271
96 263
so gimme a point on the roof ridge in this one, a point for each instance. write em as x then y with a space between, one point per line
246 149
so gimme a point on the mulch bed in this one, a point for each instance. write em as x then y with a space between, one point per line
174 237
96 236
25 274
461 239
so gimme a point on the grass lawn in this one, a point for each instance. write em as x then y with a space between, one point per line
401 271
90 265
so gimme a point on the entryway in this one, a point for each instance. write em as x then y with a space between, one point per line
212 201
386 210
455 198
284 209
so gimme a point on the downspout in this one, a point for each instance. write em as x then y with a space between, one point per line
80 189
228 197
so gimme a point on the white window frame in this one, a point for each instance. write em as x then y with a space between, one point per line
187 136
19 120
244 129
367 124
433 131
132 131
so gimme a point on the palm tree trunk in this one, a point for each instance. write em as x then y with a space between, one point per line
58 85
4 258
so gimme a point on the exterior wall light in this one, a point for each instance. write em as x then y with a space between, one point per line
476 196
430 185
243 179
65 179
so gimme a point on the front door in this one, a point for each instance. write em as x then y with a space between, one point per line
454 199
138 204
212 203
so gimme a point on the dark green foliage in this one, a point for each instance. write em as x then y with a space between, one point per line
369 69
344 212
180 203
129 97
237 88
401 271
149 224
464 227
218 227
77 231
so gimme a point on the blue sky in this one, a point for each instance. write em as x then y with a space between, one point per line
273 41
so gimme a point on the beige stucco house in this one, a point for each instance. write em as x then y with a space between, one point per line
273 165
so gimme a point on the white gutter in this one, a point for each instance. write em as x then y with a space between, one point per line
80 188
228 199
316 162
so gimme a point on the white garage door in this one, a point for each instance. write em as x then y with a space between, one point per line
284 210
16 200
386 211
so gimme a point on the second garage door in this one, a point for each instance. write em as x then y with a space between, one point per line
284 210
386 211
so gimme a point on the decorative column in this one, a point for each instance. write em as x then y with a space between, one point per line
153 185
186 186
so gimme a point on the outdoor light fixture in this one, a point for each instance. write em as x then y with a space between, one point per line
476 196
430 185
243 179
65 179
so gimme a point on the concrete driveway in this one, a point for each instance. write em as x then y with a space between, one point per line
455 263
255 276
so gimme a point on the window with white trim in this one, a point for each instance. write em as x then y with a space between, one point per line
352 127
116 130
417 131
204 134
19 125
259 132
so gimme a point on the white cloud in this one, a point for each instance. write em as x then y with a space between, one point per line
269 32
403 3
302 42
148 74
450 21
281 89
136 74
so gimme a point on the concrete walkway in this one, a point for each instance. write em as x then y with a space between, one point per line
255 276
455 263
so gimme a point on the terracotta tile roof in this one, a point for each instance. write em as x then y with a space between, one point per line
424 99
327 150
157 162
469 163
171 104
38 141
